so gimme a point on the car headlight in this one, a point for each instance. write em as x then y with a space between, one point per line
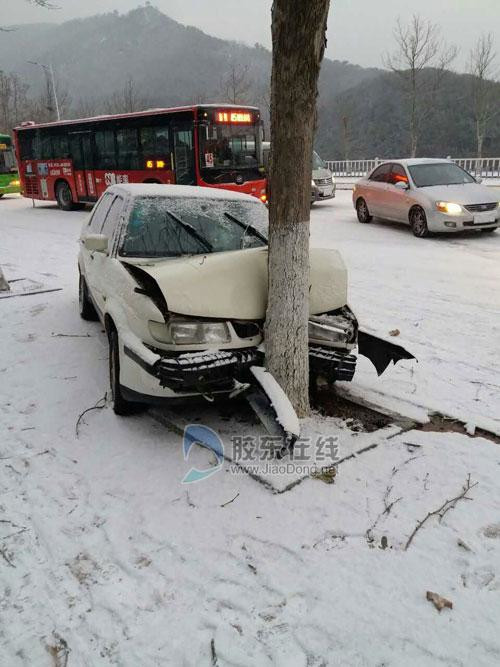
447 207
190 332
15 183
327 332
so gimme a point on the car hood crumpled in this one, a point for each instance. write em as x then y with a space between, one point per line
234 284
469 193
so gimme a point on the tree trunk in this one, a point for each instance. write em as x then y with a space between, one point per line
298 32
479 138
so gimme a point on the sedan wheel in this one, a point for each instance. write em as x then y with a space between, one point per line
418 222
362 211
120 405
87 310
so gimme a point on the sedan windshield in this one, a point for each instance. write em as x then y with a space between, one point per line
176 226
442 173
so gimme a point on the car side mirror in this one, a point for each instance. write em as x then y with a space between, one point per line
478 180
402 185
96 243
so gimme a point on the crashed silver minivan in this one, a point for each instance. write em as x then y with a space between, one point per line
178 276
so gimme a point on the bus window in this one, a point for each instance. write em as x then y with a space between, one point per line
105 157
26 144
46 152
184 157
60 146
128 148
155 143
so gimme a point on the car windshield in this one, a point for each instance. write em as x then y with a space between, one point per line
176 226
442 173
317 162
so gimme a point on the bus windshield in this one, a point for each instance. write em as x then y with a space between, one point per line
228 146
7 160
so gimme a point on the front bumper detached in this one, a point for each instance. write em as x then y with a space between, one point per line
207 372
331 364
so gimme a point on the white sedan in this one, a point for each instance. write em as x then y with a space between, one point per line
431 195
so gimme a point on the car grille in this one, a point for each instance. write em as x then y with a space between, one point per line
480 208
323 181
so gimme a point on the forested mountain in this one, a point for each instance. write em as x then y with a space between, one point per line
112 62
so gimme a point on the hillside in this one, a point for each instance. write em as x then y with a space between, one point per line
112 62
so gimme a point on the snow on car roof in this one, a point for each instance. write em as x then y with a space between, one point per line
188 191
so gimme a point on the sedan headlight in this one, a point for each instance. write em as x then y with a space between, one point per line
449 208
190 332
327 332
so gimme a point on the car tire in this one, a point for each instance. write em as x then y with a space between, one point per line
362 211
489 230
121 407
87 310
418 222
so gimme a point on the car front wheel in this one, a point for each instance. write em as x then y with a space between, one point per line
418 222
87 310
362 211
120 405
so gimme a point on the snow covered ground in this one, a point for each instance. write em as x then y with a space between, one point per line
107 559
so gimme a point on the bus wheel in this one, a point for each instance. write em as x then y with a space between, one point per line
64 197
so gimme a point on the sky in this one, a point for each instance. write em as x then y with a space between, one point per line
360 31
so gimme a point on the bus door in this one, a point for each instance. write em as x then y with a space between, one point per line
184 154
83 165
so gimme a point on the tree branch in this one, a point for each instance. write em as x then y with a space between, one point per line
441 511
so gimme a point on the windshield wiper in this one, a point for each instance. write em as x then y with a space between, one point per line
246 228
191 230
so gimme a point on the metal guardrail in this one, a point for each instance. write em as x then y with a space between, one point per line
488 167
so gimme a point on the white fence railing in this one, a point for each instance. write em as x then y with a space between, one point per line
488 167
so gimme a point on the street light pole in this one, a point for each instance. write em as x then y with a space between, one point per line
50 69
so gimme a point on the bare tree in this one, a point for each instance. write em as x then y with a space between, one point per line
299 40
484 105
127 100
236 84
13 101
420 47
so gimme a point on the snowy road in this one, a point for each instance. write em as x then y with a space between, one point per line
442 294
106 559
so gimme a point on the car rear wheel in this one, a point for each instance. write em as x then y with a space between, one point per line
87 310
418 222
120 405
362 211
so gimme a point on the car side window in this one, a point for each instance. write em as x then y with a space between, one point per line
111 221
99 213
397 175
380 175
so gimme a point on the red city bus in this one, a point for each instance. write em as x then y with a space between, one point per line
73 162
